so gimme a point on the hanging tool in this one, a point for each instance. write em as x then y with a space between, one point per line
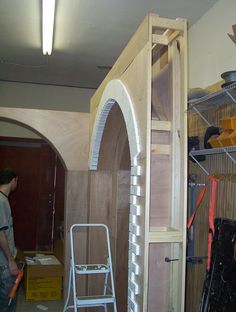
213 182
191 259
16 284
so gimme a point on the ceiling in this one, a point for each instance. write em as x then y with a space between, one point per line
88 34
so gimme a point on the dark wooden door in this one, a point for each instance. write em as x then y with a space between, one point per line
33 202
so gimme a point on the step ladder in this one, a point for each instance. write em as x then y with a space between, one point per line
86 269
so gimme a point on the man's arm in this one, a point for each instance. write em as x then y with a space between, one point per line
4 246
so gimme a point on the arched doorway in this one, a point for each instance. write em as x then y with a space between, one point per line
38 202
112 180
67 133
114 153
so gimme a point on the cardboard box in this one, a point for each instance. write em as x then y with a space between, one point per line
42 277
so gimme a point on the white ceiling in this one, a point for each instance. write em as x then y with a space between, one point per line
88 34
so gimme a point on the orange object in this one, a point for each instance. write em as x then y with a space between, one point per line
225 122
15 286
233 122
224 138
212 203
214 142
232 137
228 122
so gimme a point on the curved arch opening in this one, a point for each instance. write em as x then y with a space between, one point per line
110 201
122 97
38 202
37 133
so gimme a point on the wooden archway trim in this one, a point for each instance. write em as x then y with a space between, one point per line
115 92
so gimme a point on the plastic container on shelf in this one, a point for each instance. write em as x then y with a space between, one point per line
233 137
214 142
225 139
233 122
228 122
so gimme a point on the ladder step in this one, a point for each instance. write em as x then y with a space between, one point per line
92 269
95 301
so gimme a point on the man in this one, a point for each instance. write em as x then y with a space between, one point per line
8 266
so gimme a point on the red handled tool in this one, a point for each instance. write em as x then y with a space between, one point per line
15 285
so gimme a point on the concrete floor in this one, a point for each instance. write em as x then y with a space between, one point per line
37 306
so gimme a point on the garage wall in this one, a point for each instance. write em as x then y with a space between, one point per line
26 95
211 51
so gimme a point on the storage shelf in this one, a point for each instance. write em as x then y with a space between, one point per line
212 151
225 96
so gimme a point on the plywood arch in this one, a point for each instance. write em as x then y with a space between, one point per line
157 43
115 92
67 132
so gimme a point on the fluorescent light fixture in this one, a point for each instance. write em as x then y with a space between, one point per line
48 24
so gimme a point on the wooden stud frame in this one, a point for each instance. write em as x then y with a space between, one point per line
129 84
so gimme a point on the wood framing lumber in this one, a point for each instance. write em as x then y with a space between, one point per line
161 125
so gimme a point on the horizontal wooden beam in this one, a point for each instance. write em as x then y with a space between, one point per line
159 39
166 236
160 125
162 149
165 23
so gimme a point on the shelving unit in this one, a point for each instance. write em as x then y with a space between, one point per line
214 100
213 151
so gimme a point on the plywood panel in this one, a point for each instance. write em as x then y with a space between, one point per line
160 85
159 270
122 237
100 212
76 202
140 92
114 151
137 42
111 209
160 211
66 131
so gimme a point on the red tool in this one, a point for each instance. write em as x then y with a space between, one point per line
15 286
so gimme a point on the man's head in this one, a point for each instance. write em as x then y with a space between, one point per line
8 177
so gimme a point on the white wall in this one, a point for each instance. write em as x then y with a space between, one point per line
211 51
26 95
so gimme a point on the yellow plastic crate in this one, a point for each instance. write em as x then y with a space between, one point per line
225 139
233 137
225 122
228 122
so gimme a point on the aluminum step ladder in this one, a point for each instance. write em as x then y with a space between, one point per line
86 269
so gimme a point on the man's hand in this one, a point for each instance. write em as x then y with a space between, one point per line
13 267
4 246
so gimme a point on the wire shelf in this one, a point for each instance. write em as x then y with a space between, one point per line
225 96
212 151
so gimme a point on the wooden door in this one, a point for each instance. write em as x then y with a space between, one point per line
33 202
